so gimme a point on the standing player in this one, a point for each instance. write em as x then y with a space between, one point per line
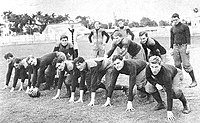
136 71
180 44
65 46
153 45
98 43
73 35
22 71
160 75
124 30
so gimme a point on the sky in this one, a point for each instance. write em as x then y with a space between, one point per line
105 10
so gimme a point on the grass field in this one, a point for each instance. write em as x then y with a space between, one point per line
18 107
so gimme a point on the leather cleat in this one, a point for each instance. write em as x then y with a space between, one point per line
186 109
159 106
193 84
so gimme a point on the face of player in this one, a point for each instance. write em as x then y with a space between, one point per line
17 65
120 23
71 24
60 66
175 21
81 66
64 41
9 59
143 39
118 64
155 68
97 25
32 61
116 39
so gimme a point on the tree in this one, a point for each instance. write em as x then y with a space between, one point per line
147 22
133 24
163 23
84 20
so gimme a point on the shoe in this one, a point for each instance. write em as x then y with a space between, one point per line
150 99
45 88
12 89
5 87
193 84
159 106
186 109
67 95
125 90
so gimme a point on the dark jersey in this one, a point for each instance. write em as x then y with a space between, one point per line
68 50
132 47
179 34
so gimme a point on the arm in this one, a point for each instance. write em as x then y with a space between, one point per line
40 76
132 81
187 34
130 33
9 72
171 38
145 51
34 78
107 36
16 77
114 76
90 37
169 91
110 52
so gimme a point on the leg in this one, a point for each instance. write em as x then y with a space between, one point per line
177 57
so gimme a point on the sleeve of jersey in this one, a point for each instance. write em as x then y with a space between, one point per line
90 37
132 81
107 36
171 38
187 34
169 91
9 72
82 81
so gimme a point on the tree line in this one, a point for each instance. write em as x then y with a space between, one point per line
28 24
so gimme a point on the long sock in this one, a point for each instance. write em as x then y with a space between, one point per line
183 100
157 97
191 73
68 88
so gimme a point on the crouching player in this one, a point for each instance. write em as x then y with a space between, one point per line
67 67
136 71
160 75
22 71
39 65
